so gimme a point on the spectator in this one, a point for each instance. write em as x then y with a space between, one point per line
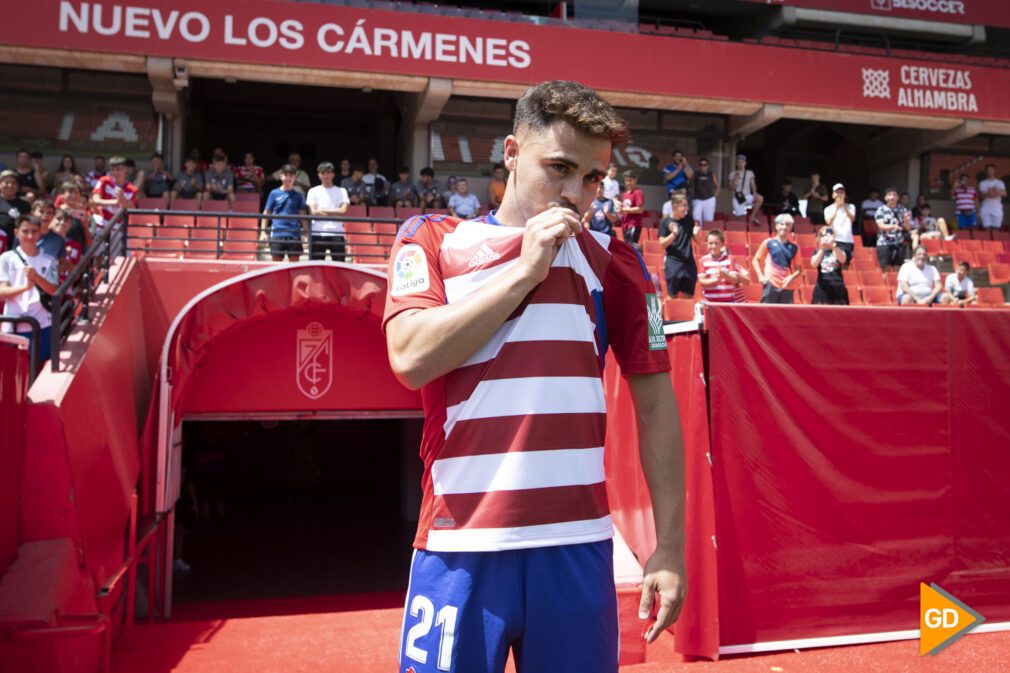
651 175
496 190
611 186
828 259
993 190
677 233
378 181
345 171
112 193
631 208
249 177
602 213
786 200
905 201
358 191
428 192
67 172
775 263
71 201
965 201
720 277
331 200
868 208
920 201
816 195
959 288
918 281
677 173
27 275
73 248
201 165
926 226
219 181
302 182
463 204
892 222
704 191
133 177
96 173
841 217
450 189
159 181
30 174
745 194
49 241
285 234
402 193
189 184
12 205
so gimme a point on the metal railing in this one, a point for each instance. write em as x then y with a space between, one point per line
34 341
72 298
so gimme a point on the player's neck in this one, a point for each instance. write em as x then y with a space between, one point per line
508 213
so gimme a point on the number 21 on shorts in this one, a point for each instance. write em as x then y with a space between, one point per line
445 620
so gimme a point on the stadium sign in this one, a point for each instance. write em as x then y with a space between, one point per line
983 12
923 88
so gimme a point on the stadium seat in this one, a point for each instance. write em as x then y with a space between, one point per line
169 242
963 256
384 212
810 276
184 204
999 274
179 220
737 250
752 293
934 246
359 210
851 278
865 264
1002 236
648 234
991 296
215 205
734 226
679 310
436 211
806 240
872 279
755 239
149 203
1003 258
994 247
210 222
878 296
984 257
972 245
247 197
653 260
891 280
385 234
806 294
865 253
404 213
247 206
361 242
203 243
240 241
652 247
855 299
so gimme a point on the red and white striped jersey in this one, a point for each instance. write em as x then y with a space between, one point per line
513 438
965 197
107 188
722 292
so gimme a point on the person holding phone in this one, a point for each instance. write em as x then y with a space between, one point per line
828 259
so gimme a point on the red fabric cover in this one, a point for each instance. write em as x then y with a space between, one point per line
697 630
857 454
13 394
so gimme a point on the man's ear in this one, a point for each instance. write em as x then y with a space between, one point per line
511 153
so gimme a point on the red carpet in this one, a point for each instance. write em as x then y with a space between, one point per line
353 634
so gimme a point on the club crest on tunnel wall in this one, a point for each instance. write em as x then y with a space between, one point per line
314 372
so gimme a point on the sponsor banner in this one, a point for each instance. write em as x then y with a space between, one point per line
345 38
984 12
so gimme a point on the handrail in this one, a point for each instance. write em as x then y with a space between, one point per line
33 341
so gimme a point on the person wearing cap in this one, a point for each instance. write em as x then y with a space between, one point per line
285 234
745 194
11 204
327 236
816 195
841 216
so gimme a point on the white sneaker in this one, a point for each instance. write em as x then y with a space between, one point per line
949 238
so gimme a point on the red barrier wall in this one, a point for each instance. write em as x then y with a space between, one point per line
857 454
14 371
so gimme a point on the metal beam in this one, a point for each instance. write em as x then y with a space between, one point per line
740 127
898 145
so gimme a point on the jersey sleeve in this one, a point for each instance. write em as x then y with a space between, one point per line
634 314
414 275
271 202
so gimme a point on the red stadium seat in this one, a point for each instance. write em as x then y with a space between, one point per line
247 197
359 210
934 246
184 204
851 278
991 296
865 264
203 243
972 245
679 310
384 212
994 247
878 296
148 203
871 279
169 242
855 299
810 276
733 225
240 241
404 213
999 274
737 250
215 205
962 256
984 257
652 247
247 206
752 293
806 240
807 294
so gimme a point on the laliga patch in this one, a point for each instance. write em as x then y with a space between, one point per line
410 271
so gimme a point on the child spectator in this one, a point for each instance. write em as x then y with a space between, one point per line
828 259
676 235
112 193
841 217
189 184
96 173
428 193
631 208
959 288
219 181
892 222
11 204
965 201
302 182
285 234
402 193
49 241
71 201
775 263
26 276
601 215
720 277
611 187
463 204
249 176
378 182
73 248
159 181
926 226
918 281
31 175
358 191
327 199
496 190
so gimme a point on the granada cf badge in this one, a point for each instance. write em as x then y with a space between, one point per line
315 360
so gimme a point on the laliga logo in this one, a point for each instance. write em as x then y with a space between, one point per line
314 371
942 619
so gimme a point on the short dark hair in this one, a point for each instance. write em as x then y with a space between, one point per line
787 181
497 166
987 165
925 206
676 152
404 169
324 167
678 197
427 171
35 154
718 234
573 103
358 167
158 155
965 265
630 174
288 169
29 218
117 161
891 189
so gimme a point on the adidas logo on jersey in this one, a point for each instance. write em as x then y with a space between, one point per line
484 256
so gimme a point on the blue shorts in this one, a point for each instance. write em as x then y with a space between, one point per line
555 607
966 219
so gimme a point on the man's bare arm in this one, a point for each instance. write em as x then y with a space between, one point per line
661 449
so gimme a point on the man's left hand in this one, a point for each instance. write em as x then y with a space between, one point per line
666 575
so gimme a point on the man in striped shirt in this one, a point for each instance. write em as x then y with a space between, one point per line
503 323
720 277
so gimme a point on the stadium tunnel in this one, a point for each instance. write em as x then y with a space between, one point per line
280 419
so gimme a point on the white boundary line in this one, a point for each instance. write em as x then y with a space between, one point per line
834 641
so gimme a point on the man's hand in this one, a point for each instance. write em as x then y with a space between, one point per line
543 235
666 575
